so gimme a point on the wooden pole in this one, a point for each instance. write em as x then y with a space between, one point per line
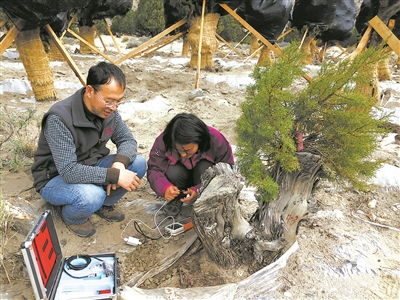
254 53
229 46
69 25
233 48
113 38
386 34
66 55
276 50
8 39
90 46
149 42
200 44
304 37
99 35
161 44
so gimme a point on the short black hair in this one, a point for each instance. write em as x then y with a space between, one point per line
103 73
186 129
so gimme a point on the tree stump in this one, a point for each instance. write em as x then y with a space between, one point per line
228 238
216 214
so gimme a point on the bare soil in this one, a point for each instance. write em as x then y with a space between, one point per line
340 256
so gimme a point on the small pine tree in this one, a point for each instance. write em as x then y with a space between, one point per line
338 122
3 16
125 24
230 29
150 17
101 26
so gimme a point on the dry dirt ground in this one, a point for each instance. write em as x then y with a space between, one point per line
340 256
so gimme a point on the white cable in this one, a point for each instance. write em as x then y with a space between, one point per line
157 226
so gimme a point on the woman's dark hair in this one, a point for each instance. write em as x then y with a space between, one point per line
102 73
186 129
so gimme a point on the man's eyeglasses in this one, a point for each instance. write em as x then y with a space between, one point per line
108 104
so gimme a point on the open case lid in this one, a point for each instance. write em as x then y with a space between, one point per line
42 254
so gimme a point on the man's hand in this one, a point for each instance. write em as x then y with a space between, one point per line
127 179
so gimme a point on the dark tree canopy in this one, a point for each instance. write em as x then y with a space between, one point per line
268 17
30 14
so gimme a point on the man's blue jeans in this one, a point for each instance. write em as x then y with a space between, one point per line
80 201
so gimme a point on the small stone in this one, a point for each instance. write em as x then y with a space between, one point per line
196 93
372 203
287 294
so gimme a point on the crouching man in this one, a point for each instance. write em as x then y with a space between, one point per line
73 168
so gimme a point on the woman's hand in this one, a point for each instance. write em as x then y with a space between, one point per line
171 192
191 196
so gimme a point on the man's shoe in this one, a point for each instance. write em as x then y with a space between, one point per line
83 230
110 214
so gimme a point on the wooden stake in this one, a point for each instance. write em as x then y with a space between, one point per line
113 38
254 53
304 37
99 35
363 42
8 39
276 50
89 45
315 47
344 51
66 55
149 42
285 33
69 25
234 48
200 44
229 46
161 44
386 34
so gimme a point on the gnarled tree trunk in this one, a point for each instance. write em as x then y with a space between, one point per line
228 237
280 217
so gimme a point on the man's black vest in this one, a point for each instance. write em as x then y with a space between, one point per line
89 148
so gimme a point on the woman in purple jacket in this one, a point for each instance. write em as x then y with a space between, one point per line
179 156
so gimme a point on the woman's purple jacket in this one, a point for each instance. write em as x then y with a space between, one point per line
159 160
